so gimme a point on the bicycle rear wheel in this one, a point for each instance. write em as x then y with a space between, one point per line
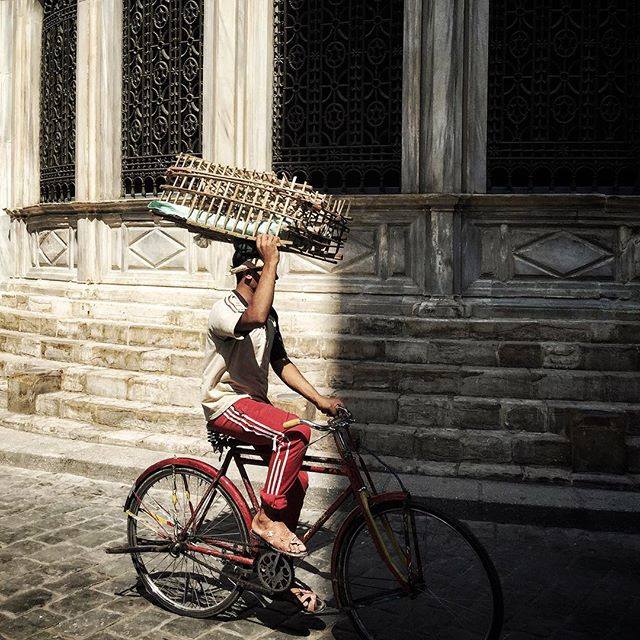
185 582
456 593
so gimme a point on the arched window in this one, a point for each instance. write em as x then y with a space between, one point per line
337 118
162 89
58 101
564 89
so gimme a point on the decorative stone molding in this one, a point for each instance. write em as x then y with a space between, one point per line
410 246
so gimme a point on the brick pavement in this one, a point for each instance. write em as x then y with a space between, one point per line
56 583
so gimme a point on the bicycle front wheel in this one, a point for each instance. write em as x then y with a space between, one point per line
455 591
186 582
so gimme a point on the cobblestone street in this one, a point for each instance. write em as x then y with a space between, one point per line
56 582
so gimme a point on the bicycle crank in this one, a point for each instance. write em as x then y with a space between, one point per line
274 571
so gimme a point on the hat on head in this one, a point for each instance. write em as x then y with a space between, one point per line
245 257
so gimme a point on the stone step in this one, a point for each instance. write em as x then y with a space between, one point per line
535 384
508 414
361 380
40 442
176 362
3 394
199 298
318 347
126 325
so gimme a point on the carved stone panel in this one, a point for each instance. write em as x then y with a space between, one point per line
379 257
52 252
528 252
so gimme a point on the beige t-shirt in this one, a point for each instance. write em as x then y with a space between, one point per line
236 365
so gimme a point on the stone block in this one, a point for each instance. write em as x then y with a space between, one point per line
524 416
389 440
598 444
561 355
474 413
496 382
438 444
371 407
481 446
547 450
428 411
446 381
25 384
185 364
101 383
519 354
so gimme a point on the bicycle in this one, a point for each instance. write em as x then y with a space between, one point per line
397 564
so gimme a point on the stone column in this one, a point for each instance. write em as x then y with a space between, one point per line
98 125
21 35
453 96
98 100
237 81
6 96
238 72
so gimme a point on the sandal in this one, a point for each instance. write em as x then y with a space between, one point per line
280 539
309 601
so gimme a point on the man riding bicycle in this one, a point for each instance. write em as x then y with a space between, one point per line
243 338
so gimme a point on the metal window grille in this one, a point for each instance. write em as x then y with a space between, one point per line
337 112
162 89
564 89
58 101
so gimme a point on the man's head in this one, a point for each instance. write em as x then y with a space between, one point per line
246 263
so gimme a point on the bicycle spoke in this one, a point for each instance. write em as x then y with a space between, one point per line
182 581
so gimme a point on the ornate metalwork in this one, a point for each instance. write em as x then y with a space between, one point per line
337 114
162 89
58 101
564 87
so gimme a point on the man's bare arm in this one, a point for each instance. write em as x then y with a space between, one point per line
293 378
257 312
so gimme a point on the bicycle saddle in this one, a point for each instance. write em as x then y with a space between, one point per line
221 441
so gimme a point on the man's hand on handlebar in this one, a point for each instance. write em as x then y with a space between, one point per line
329 406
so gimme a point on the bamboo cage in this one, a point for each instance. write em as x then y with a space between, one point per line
224 203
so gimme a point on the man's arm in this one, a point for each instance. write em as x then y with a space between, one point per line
257 312
291 376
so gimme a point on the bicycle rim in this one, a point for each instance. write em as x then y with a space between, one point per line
189 583
458 596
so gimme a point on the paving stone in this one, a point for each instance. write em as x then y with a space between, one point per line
87 624
22 602
131 627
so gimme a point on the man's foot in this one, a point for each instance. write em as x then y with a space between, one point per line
308 600
277 535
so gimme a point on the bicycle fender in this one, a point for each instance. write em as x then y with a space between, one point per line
391 496
204 467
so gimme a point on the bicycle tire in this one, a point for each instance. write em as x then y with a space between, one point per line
371 624
153 585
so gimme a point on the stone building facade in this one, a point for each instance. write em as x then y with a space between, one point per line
488 298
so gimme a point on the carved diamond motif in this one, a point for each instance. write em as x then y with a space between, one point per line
156 247
52 246
562 253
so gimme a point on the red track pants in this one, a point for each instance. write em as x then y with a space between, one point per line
260 424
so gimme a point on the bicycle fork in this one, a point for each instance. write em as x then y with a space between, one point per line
413 576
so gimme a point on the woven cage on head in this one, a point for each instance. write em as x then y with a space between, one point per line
224 203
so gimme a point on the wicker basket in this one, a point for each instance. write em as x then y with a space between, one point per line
224 203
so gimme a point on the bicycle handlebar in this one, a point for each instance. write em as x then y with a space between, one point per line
342 418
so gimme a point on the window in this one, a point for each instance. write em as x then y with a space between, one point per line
564 89
337 119
162 89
